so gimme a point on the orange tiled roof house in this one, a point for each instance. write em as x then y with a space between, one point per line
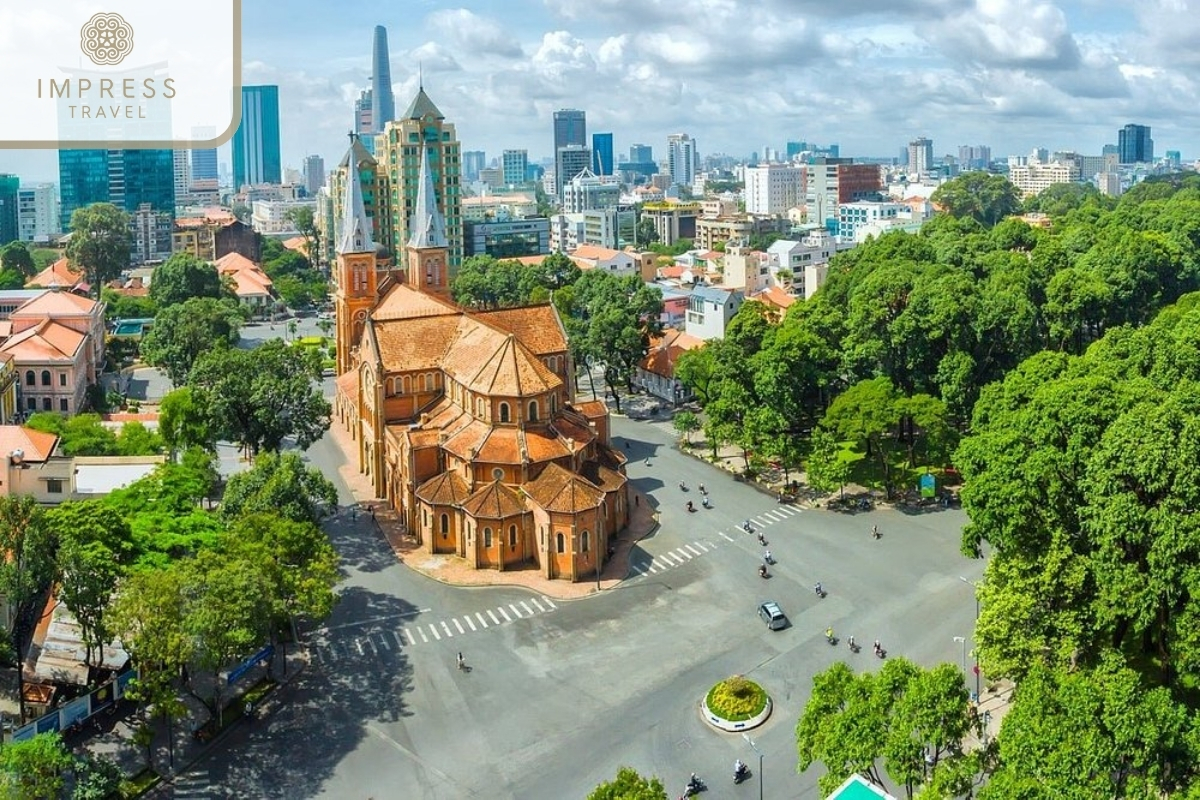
466 421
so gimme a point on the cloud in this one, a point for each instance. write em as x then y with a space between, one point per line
473 33
1007 33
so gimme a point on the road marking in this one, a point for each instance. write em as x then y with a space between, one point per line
725 536
681 552
424 638
445 627
493 616
371 645
525 606
504 614
359 623
639 569
461 629
470 622
516 610
358 645
672 558
548 602
482 621
436 635
694 550
411 640
399 639
384 643
653 568
536 603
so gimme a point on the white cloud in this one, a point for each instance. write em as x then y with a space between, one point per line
473 33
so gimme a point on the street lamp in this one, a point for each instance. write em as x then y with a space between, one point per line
754 747
975 650
963 641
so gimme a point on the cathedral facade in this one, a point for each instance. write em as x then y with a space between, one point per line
465 421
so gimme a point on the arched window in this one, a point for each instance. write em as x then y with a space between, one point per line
45 404
559 542
31 403
498 474
583 541
512 536
404 385
533 410
30 378
487 538
504 413
427 384
45 377
553 404
445 524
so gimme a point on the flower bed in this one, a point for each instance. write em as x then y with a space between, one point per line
736 699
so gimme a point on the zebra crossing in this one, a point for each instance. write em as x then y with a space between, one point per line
379 642
688 552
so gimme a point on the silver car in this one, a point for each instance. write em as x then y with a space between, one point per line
773 615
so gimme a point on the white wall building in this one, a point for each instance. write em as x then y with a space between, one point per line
807 260
567 232
853 217
710 309
588 192
773 188
683 160
746 269
1032 177
270 218
37 212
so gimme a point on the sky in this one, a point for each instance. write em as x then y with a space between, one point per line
738 75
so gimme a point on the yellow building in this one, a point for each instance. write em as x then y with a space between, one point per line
466 422
8 388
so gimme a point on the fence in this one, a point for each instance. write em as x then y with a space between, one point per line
78 710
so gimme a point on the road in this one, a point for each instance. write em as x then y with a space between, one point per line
559 694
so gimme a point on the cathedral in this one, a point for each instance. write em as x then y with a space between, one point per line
466 421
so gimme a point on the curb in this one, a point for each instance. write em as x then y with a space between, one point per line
727 726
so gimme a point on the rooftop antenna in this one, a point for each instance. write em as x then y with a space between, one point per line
420 76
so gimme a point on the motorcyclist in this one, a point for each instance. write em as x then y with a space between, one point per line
875 531
690 507
739 769
702 489
767 556
850 642
829 633
704 501
762 570
683 486
818 589
762 539
878 647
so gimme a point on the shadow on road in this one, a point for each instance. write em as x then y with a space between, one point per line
358 542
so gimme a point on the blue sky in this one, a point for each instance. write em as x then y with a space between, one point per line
739 74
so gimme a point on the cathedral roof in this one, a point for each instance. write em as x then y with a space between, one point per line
360 154
557 489
492 363
404 302
355 236
427 224
609 480
536 327
422 106
494 501
447 489
414 344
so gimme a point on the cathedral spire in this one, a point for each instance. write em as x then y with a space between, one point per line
427 225
356 228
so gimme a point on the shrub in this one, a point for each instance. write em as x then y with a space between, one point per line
737 698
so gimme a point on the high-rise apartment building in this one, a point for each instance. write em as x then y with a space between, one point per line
974 157
1134 145
473 162
773 188
129 179
10 190
314 174
602 154
183 176
920 156
570 128
514 163
641 153
570 161
383 101
37 212
683 160
363 120
204 160
256 153
421 132
830 182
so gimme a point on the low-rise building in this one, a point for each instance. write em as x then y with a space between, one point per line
510 239
746 269
617 262
251 285
214 235
33 466
710 309
59 275
712 231
672 221
656 372
52 363
74 311
806 260
274 217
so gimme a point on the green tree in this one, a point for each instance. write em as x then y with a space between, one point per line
184 423
96 778
826 470
80 435
11 279
686 423
15 256
27 541
868 413
100 242
182 277
629 785
184 332
258 398
135 439
304 218
35 768
984 197
645 233
279 483
121 306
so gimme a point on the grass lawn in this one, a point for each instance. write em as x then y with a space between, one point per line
868 472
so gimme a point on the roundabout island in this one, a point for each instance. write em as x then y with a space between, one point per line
736 704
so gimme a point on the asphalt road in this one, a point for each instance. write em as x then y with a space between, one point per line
558 695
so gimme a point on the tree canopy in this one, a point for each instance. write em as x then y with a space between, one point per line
984 197
182 277
187 330
100 242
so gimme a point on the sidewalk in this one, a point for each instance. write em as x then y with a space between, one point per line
643 520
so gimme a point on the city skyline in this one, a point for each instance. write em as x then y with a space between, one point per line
1010 74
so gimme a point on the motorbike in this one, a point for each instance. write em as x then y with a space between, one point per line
694 786
762 540
747 527
770 559
879 651
762 571
875 532
829 637
690 507
705 503
682 486
854 646
740 773
819 591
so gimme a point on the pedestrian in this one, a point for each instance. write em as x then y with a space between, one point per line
372 513
637 500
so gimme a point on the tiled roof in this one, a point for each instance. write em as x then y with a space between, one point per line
608 479
415 343
543 447
446 489
529 261
465 442
536 327
556 489
35 445
510 370
296 244
673 271
592 409
664 352
405 302
500 446
347 384
594 252
47 341
60 273
233 262
777 297
50 304
608 457
574 427
251 283
494 501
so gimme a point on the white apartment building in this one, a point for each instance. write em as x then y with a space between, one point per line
37 212
807 260
853 217
1032 177
683 160
270 217
567 232
773 188
746 269
589 192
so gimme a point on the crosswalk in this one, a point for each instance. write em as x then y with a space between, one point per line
688 552
381 641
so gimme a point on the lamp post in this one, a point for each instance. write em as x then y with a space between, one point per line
754 747
975 586
963 641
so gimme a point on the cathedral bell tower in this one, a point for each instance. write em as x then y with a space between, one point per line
428 248
357 292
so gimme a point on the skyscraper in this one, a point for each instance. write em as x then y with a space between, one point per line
256 157
383 102
10 189
570 128
641 153
570 161
362 114
1134 145
204 161
514 163
920 155
602 154
314 174
682 159
473 162
126 178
